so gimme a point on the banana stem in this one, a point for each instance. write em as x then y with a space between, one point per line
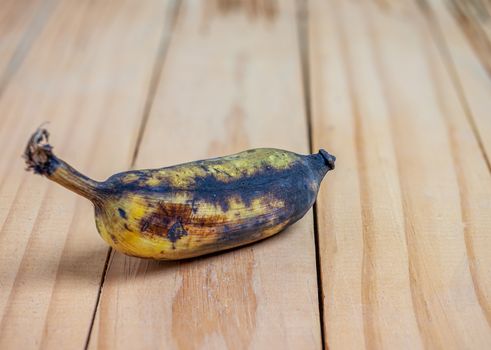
328 158
41 160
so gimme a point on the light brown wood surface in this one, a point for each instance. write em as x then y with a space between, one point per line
399 247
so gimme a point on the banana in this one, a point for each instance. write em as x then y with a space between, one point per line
194 208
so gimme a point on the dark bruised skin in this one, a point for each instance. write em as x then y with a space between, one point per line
194 208
295 187
208 188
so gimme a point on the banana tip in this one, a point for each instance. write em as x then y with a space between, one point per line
329 158
38 154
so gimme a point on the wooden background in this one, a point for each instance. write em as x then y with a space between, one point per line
397 252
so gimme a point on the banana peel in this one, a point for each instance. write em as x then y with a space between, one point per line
195 208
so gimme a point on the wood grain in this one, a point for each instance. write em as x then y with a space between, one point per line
20 24
87 72
463 31
231 81
473 177
402 227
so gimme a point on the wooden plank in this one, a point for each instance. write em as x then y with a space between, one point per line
402 228
231 81
21 22
361 236
88 73
464 32
474 182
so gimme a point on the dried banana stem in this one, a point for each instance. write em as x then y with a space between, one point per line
40 159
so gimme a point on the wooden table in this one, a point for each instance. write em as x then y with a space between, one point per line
395 255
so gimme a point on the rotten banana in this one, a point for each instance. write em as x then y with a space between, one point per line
194 208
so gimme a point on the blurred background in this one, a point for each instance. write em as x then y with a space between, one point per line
396 252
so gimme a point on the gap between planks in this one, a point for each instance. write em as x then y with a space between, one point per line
303 46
